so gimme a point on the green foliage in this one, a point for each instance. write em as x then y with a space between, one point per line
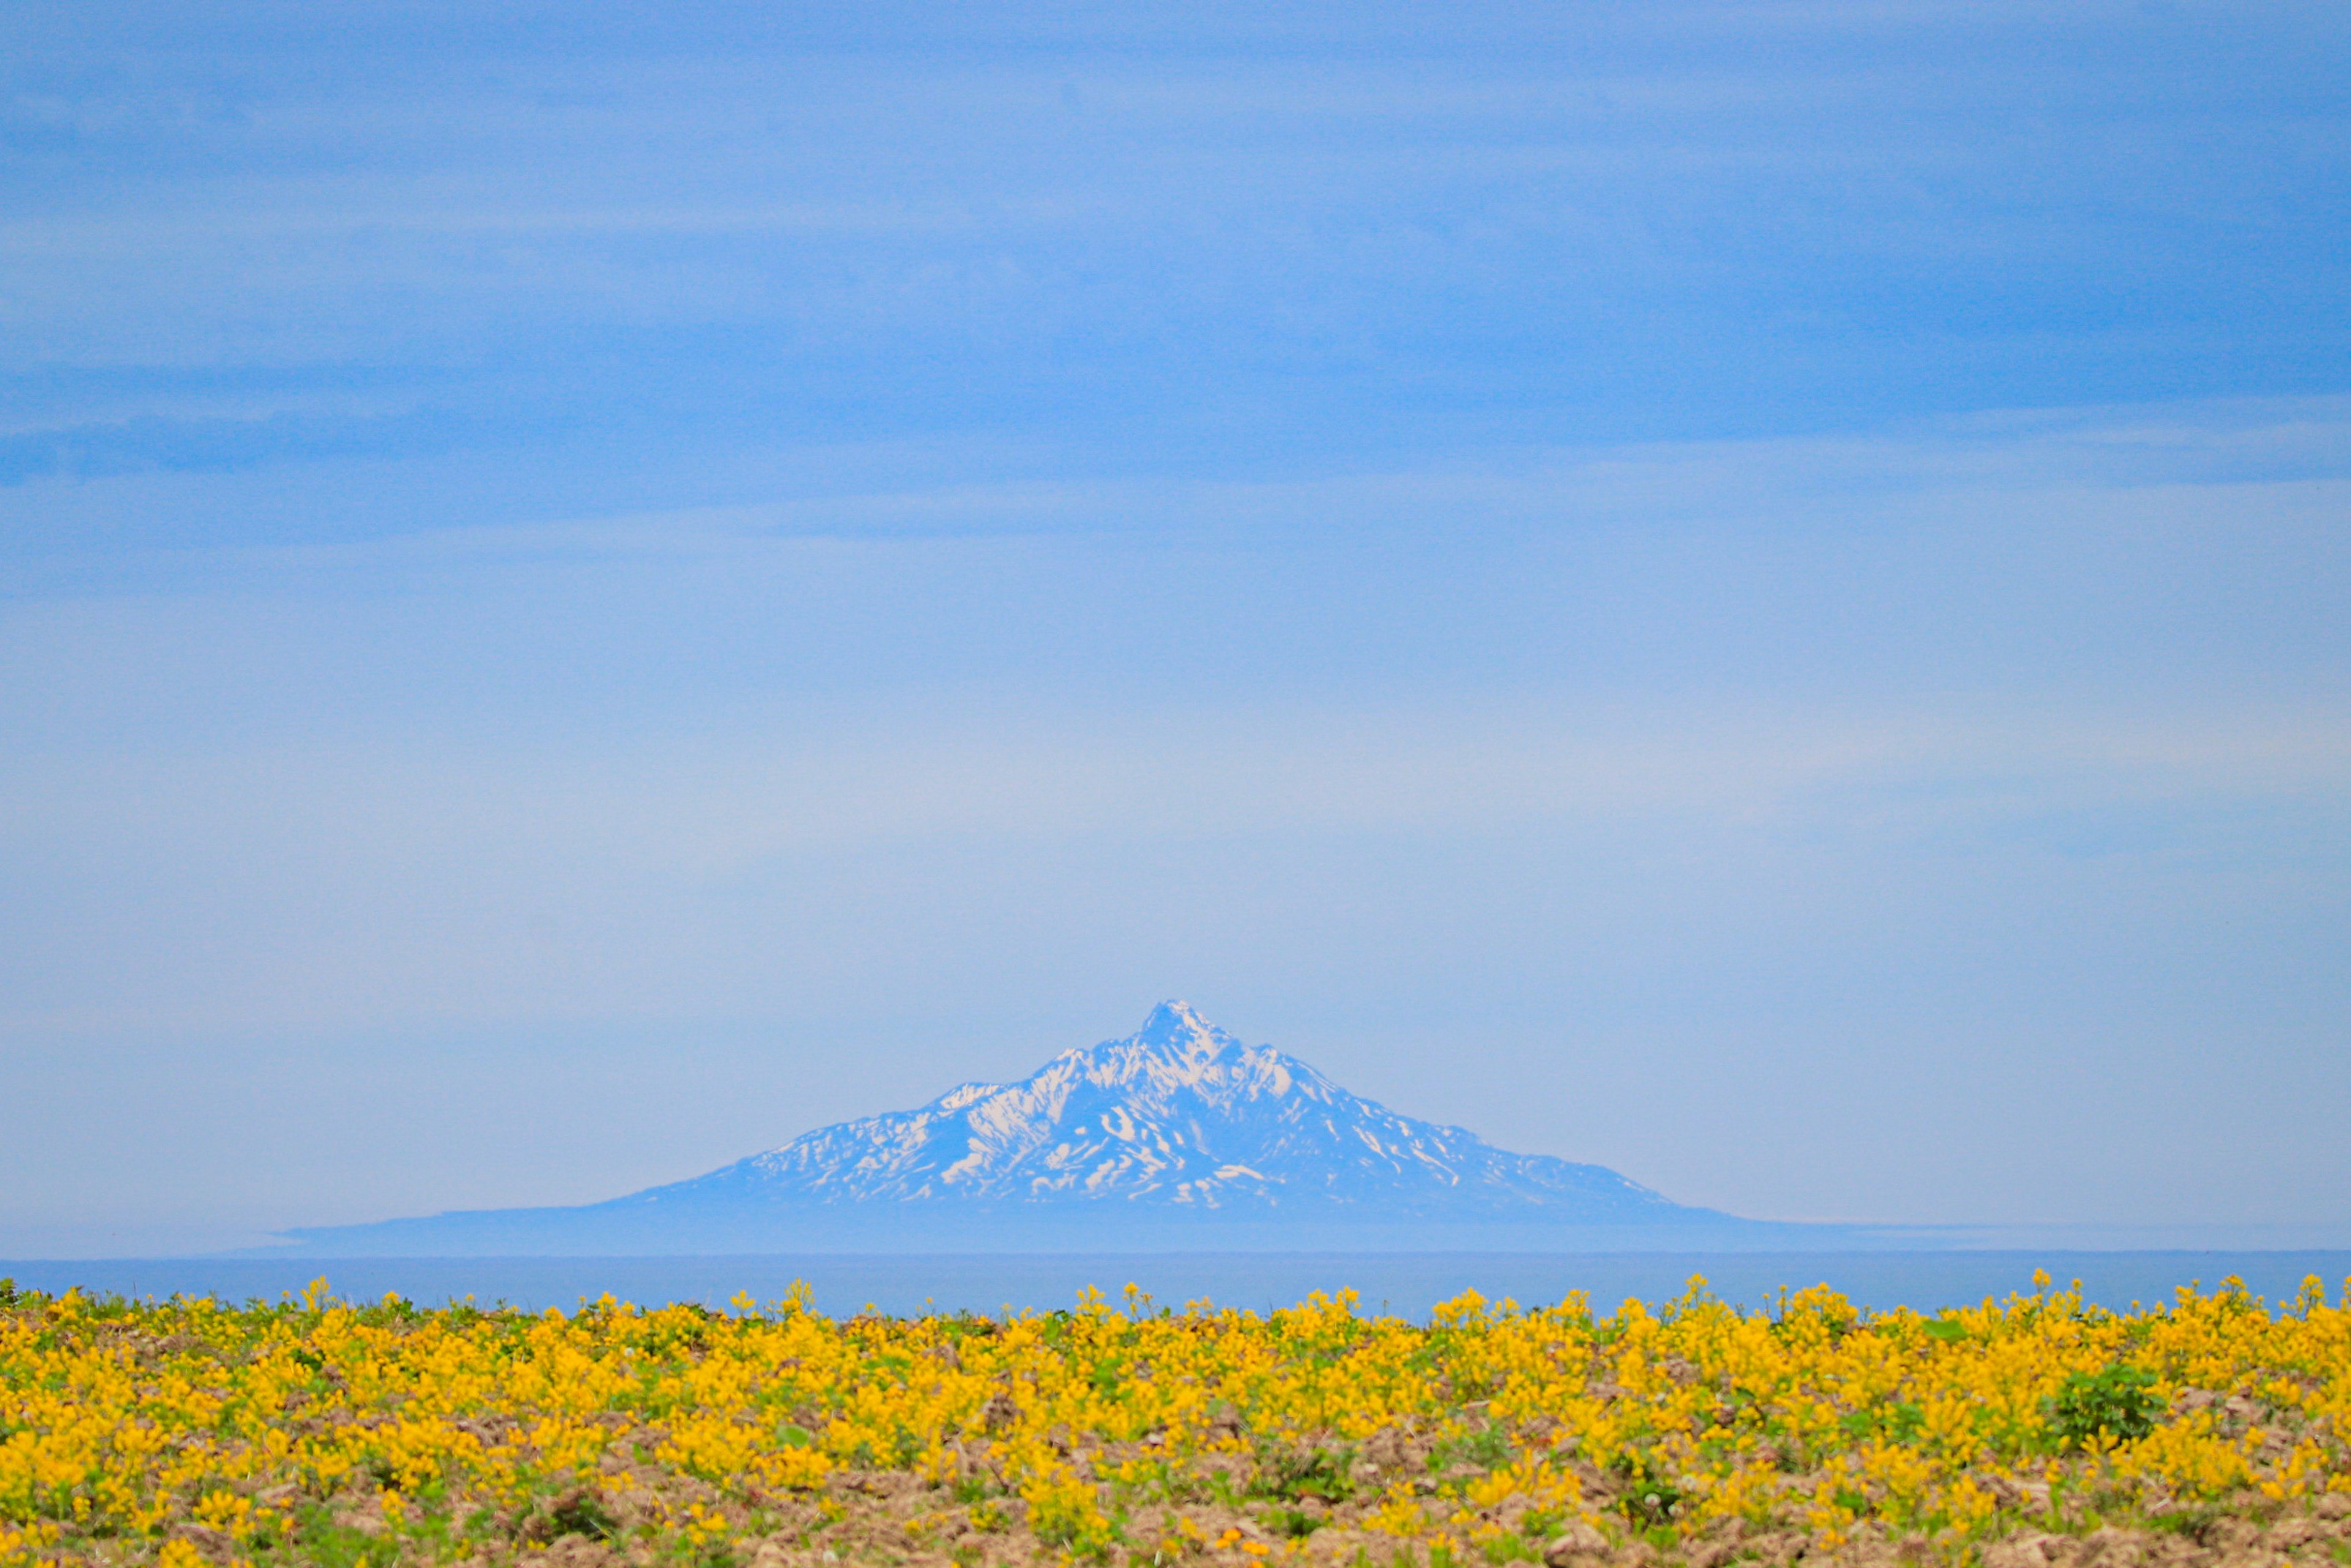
1488 1448
1090 1540
1295 1523
323 1544
2119 1401
1900 1420
575 1513
2194 1523
1651 1499
1299 1474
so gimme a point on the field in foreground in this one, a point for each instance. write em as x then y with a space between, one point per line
2030 1432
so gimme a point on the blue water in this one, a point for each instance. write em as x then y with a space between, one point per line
1405 1283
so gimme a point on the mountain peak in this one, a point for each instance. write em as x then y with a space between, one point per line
1174 1048
1174 1020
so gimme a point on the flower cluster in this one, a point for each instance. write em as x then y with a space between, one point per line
317 1430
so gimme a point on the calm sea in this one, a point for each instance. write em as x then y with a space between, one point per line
1406 1283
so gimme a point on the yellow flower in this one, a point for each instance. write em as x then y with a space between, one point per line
119 1420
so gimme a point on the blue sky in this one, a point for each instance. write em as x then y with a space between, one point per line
1756 593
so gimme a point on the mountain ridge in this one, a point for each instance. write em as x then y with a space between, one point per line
1178 1134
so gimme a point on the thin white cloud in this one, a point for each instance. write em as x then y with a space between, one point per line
367 839
2243 465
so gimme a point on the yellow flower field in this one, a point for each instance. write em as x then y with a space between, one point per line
2027 1432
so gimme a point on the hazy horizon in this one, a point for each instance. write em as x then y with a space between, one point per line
1760 596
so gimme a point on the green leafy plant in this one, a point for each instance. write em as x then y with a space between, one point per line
1295 1523
2119 1401
576 1513
2193 1523
327 1544
1299 1474
1650 1498
1902 1420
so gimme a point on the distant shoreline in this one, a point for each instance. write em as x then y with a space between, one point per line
1406 1283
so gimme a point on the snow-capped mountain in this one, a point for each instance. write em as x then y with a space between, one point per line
1178 1115
1176 1135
